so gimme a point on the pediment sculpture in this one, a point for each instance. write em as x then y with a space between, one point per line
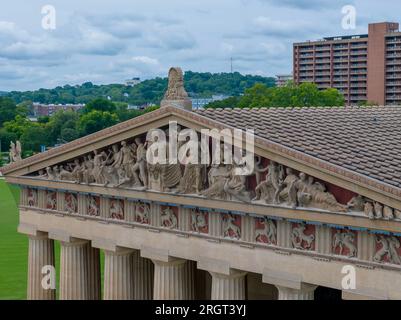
125 165
15 152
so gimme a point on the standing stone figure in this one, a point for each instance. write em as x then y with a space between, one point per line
176 94
15 151
141 164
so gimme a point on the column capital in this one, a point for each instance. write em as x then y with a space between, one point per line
74 242
306 288
159 255
283 279
119 251
31 230
111 247
364 294
232 275
214 265
306 293
65 237
171 262
229 287
39 236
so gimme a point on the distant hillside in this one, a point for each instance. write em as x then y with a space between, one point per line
197 84
3 93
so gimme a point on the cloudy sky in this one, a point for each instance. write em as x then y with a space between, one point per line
108 41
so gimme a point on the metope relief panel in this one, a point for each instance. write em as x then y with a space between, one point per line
117 209
93 206
388 250
303 236
266 231
231 226
51 200
142 212
169 217
71 203
32 200
345 243
199 221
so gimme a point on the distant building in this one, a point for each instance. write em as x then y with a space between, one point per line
141 107
282 79
132 82
199 103
41 110
362 67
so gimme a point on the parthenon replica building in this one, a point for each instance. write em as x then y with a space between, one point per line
324 193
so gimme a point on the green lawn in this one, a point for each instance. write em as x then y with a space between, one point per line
14 247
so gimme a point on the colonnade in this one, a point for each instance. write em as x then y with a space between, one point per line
129 276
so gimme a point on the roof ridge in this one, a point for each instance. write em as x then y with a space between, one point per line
301 108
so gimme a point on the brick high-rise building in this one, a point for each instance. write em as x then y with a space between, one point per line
363 67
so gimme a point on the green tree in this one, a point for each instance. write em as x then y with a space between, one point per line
5 139
231 102
331 97
17 126
33 137
68 134
290 95
99 104
95 121
200 85
8 110
58 122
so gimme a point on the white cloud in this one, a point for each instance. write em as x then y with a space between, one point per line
146 60
110 41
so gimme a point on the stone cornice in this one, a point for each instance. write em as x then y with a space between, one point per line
313 216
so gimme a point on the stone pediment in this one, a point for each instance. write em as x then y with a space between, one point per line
284 176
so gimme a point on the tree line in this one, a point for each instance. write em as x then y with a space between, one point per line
100 113
290 95
62 127
198 85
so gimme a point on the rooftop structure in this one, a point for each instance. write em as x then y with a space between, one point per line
363 67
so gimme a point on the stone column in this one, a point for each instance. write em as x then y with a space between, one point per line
307 292
190 270
170 280
118 275
228 287
143 275
41 253
94 281
74 270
